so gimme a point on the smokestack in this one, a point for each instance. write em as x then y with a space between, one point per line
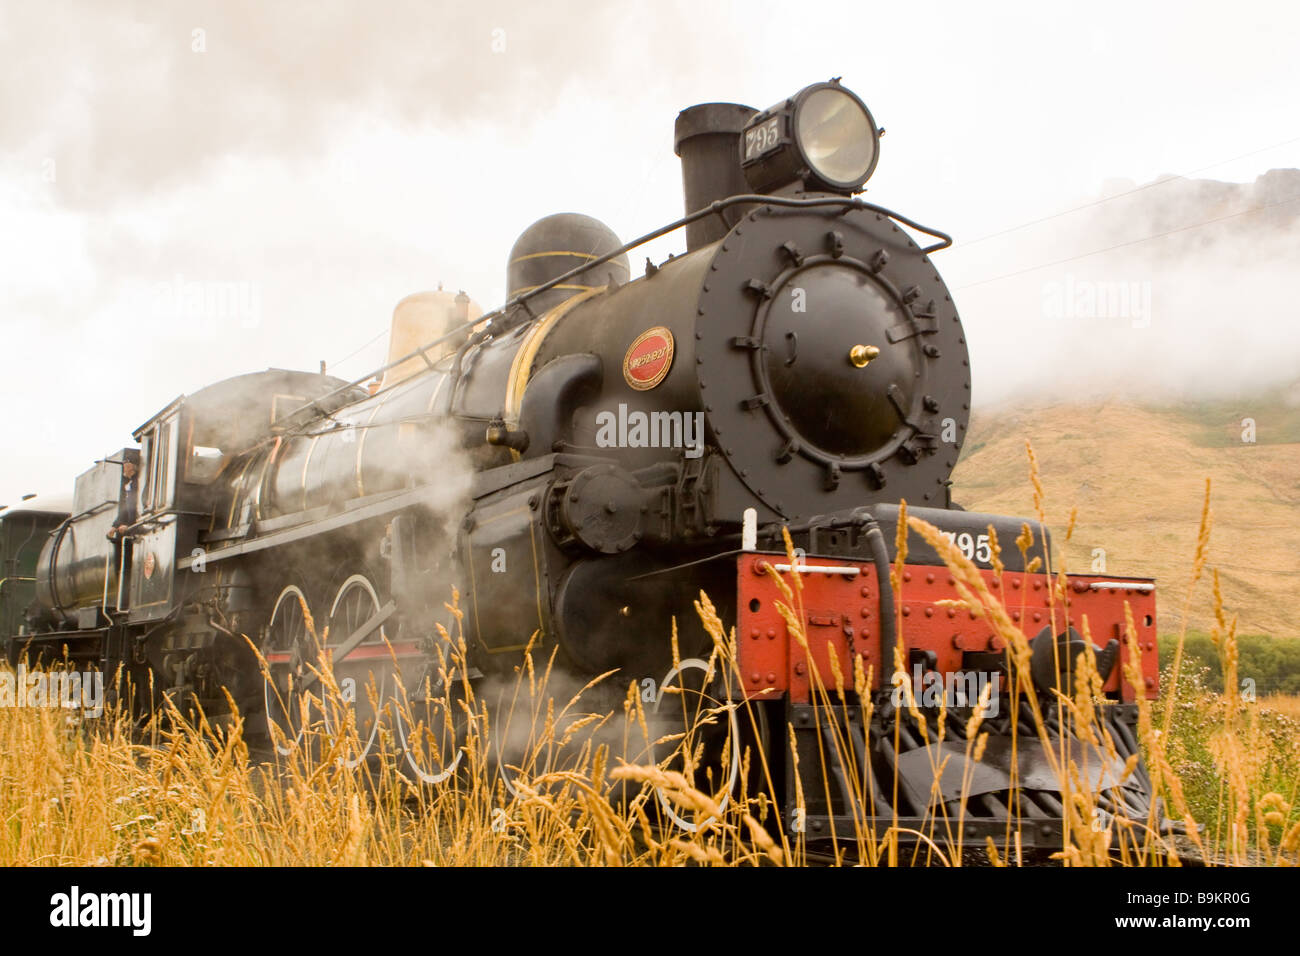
707 138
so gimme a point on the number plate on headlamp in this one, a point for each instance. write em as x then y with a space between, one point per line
763 138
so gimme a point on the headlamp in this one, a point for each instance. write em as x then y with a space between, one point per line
823 136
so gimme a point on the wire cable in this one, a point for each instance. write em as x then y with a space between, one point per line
1128 192
1122 245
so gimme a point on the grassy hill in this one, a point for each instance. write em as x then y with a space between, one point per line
1137 475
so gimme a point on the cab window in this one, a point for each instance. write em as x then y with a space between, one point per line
168 434
205 464
158 486
204 453
146 471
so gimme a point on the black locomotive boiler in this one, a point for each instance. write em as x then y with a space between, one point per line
582 462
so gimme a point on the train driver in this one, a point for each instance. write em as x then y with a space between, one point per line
127 511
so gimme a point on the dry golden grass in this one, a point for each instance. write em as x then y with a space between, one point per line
1137 474
589 786
1288 704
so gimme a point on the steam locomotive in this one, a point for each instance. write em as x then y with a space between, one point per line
584 461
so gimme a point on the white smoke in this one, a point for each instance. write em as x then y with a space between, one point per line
1207 308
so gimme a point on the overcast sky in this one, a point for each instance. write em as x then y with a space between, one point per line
329 158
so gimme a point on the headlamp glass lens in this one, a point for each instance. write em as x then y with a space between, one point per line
836 135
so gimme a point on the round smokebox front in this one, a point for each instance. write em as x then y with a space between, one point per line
831 362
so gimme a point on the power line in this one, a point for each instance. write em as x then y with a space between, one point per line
1127 192
361 349
1131 242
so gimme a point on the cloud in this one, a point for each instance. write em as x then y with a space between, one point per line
136 98
1195 297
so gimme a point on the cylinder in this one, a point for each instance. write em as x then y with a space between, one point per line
707 138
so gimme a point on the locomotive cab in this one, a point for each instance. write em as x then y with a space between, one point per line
148 580
186 453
